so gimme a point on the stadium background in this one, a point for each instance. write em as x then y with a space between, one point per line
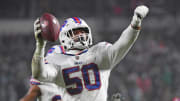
150 71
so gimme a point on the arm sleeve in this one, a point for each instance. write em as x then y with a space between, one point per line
37 61
47 71
111 55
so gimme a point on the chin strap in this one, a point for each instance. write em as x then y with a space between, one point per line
82 43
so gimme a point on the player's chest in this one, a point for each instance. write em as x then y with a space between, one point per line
75 65
67 61
80 73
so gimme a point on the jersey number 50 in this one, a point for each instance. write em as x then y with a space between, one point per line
69 81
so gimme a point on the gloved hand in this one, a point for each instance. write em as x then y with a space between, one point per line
139 13
40 42
38 56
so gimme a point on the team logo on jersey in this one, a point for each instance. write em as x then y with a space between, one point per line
77 63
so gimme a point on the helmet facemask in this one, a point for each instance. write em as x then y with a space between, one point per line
79 38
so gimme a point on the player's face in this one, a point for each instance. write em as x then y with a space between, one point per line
79 35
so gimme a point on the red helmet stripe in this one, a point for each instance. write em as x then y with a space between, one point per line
76 19
62 49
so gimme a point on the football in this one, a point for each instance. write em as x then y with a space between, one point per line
50 27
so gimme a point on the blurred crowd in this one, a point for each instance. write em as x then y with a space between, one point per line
15 58
87 8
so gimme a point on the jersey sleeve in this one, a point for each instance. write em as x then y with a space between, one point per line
109 55
49 91
34 81
53 50
49 70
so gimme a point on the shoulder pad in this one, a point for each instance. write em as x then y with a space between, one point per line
54 49
101 45
104 44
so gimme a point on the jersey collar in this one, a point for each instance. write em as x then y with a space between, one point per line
70 54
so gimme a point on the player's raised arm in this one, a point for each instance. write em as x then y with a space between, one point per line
38 57
120 48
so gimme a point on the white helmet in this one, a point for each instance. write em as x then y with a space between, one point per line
66 34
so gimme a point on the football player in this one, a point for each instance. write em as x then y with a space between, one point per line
80 71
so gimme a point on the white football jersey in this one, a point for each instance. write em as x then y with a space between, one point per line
84 76
50 92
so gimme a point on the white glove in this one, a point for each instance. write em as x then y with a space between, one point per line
139 13
40 42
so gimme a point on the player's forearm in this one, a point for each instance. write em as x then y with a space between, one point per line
38 56
124 43
37 60
28 98
40 49
127 39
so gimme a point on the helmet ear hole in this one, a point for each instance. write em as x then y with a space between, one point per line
62 41
65 47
